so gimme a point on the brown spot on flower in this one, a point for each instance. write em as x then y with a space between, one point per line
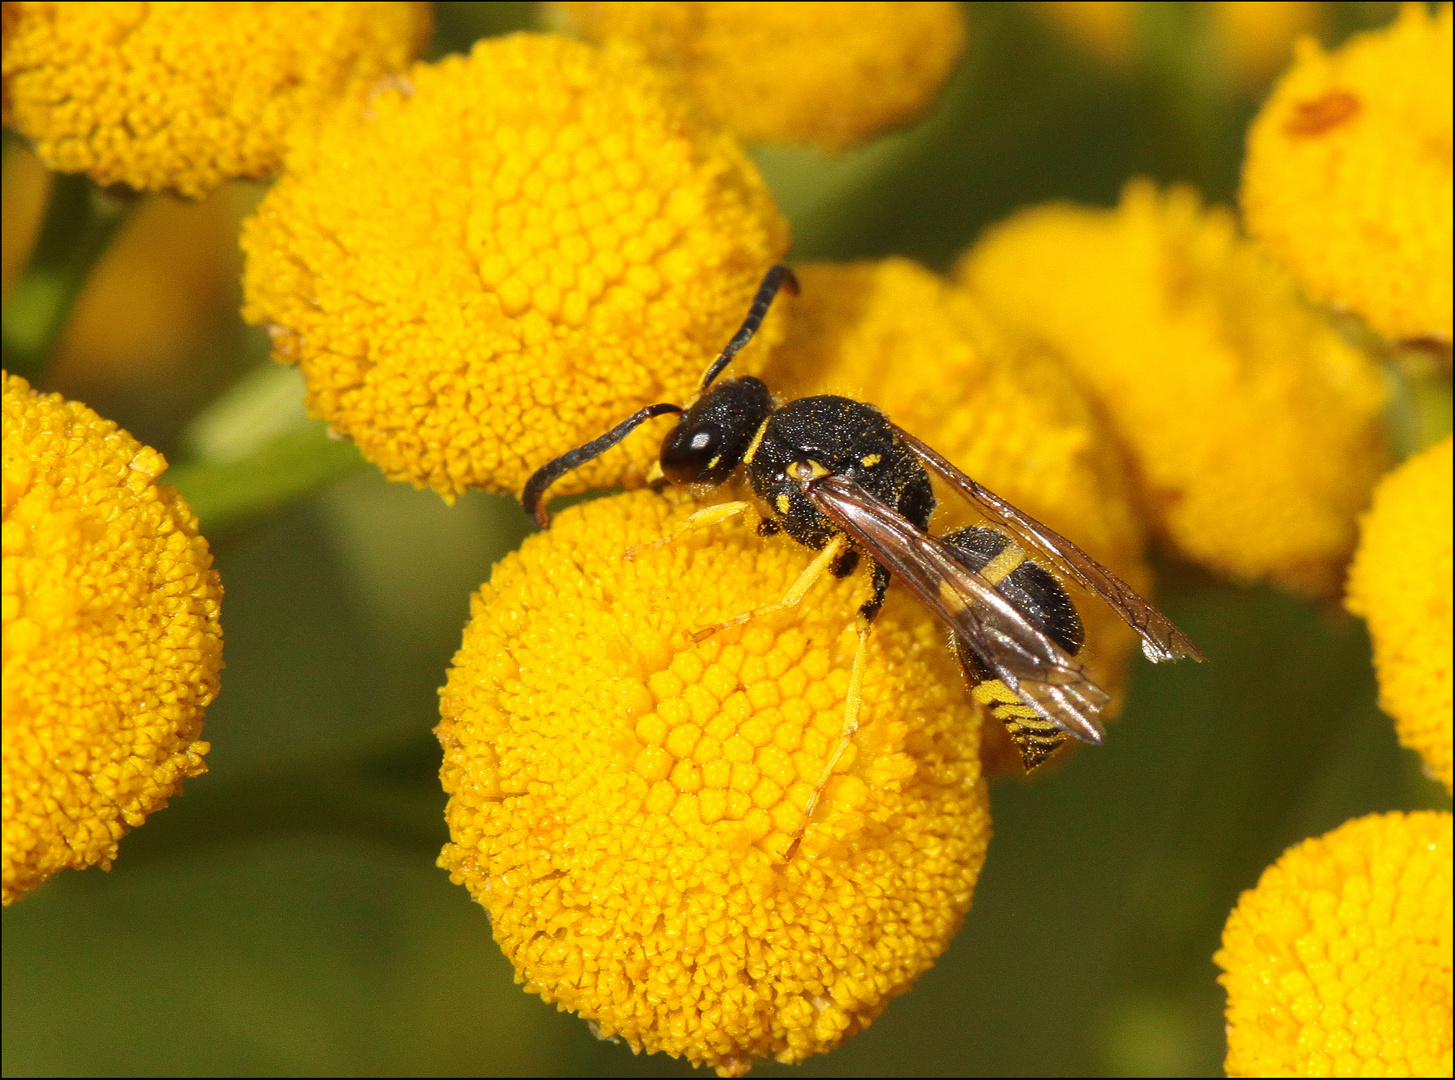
1322 114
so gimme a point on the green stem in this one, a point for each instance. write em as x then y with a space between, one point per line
226 495
80 221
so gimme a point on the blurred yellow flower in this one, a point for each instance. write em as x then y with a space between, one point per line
506 254
1105 28
1251 39
1347 176
111 640
1338 963
156 298
23 196
187 96
1253 428
829 75
1400 583
621 799
1255 37
998 405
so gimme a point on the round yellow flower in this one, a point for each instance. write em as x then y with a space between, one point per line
829 75
1256 37
187 96
1105 28
111 637
1254 428
1347 177
999 406
1338 963
1400 583
1251 40
156 297
622 799
505 255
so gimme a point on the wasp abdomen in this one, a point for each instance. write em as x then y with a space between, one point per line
1033 591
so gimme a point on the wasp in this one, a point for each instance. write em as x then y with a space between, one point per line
839 478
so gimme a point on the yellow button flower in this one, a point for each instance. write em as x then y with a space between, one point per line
621 799
504 256
829 75
1338 963
1255 429
1251 40
187 96
111 637
1400 583
1347 177
1000 407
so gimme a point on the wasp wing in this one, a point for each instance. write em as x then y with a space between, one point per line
1036 669
1161 640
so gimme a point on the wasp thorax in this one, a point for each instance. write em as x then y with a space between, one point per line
710 440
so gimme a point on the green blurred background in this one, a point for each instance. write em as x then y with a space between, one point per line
285 916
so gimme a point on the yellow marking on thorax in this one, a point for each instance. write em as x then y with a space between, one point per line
870 460
757 440
1003 565
807 470
784 504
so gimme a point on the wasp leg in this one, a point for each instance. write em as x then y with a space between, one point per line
830 554
846 736
854 699
701 519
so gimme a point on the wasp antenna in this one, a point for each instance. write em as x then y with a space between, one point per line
549 473
778 276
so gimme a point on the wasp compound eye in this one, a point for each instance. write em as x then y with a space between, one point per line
691 451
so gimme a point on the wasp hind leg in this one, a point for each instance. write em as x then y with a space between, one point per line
853 701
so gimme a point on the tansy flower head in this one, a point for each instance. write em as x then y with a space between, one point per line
622 799
1347 177
504 256
828 75
998 405
1338 963
1400 583
1255 430
111 638
1252 40
186 96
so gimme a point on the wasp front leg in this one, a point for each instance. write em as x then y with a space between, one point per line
836 557
700 519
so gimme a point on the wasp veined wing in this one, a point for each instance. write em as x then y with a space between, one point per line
1161 640
1043 675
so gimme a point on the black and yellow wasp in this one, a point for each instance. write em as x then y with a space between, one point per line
839 478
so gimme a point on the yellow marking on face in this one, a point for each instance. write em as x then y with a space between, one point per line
953 601
713 463
1004 564
655 473
870 460
757 440
784 504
